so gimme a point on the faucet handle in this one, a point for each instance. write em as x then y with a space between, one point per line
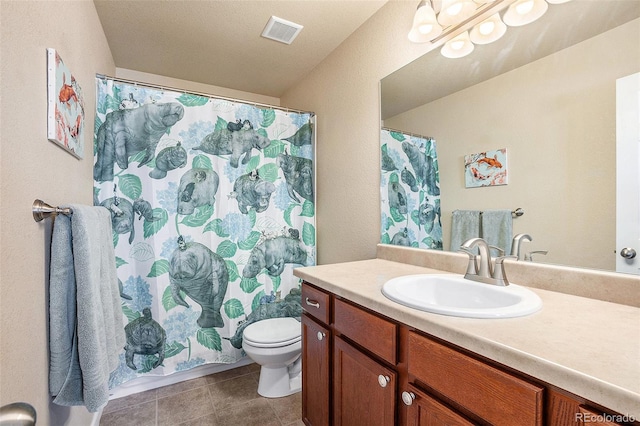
529 256
501 259
472 267
499 274
498 249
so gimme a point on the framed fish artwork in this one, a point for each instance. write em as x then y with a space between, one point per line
486 168
65 106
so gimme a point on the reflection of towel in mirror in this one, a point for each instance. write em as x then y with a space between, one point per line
465 224
86 329
497 228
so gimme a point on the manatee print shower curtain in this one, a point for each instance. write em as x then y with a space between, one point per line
212 206
409 190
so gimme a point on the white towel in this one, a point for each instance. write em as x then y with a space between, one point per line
497 228
465 224
86 328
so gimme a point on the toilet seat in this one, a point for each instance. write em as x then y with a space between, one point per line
273 333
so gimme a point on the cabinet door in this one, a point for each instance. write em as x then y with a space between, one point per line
315 372
423 410
364 391
588 417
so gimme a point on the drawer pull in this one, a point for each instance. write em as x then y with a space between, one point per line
408 397
313 303
383 381
321 335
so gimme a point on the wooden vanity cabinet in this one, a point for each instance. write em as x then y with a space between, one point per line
361 368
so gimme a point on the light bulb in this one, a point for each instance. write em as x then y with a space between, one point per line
523 12
454 9
425 28
487 28
488 31
524 7
458 46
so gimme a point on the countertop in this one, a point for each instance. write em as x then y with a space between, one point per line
588 347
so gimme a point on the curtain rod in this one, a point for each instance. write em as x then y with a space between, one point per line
206 95
407 133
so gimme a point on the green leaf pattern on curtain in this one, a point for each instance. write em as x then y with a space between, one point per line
409 191
212 207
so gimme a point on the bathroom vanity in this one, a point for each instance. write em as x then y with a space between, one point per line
368 360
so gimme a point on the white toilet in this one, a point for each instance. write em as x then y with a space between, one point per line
275 344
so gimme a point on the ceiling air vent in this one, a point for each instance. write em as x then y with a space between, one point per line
281 30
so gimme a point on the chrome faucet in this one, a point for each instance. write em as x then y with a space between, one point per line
517 243
484 269
480 267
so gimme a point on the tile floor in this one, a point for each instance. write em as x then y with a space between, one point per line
226 398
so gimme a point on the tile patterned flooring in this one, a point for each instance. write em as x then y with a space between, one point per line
226 398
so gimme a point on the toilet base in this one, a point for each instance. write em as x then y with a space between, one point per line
276 382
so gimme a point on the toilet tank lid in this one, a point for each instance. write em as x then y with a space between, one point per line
273 330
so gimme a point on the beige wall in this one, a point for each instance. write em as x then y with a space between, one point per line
343 92
174 83
556 117
32 167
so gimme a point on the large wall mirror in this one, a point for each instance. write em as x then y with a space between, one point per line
547 93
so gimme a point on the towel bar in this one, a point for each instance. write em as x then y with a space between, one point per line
42 210
517 212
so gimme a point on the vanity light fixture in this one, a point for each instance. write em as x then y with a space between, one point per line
429 24
523 12
458 46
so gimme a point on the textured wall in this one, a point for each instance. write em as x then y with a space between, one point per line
32 167
344 92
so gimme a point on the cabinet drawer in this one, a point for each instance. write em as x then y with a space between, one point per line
370 331
315 302
497 397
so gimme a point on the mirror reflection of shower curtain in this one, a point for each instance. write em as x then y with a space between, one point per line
409 191
212 205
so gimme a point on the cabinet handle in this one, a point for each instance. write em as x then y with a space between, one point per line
321 335
383 380
313 303
408 397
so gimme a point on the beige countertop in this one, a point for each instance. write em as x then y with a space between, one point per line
588 347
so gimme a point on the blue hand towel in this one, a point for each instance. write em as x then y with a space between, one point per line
86 326
497 228
465 224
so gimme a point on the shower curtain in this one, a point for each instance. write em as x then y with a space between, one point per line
212 206
409 191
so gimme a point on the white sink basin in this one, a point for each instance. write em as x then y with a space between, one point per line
453 295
